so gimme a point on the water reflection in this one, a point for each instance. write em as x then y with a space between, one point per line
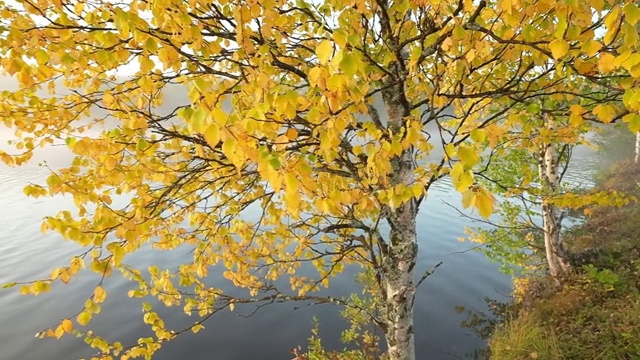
484 322
25 253
465 278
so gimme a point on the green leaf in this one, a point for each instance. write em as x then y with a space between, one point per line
142 145
631 13
8 285
84 318
150 45
275 163
534 108
560 29
349 64
198 120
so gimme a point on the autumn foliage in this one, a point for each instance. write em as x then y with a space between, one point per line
328 118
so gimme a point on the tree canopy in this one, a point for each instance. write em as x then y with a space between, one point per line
332 118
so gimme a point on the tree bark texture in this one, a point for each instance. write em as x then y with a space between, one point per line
398 265
637 159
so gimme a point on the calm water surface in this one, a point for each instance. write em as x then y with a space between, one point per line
464 279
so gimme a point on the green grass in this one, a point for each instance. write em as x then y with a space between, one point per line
525 337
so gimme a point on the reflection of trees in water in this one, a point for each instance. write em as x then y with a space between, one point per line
483 323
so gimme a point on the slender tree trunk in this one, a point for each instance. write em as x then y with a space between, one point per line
556 258
637 159
400 287
397 266
551 220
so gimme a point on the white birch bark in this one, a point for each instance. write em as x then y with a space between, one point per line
637 159
400 259
551 220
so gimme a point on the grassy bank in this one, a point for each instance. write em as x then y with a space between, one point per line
596 314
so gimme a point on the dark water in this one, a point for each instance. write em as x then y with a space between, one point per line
464 279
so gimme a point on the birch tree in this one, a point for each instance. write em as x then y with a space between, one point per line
550 177
527 167
281 117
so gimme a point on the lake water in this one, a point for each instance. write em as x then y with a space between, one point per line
464 279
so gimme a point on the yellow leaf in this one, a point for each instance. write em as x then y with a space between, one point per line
317 77
606 113
8 285
606 63
559 48
461 178
229 147
468 198
467 156
67 325
108 99
417 190
478 135
59 332
324 51
40 287
591 47
219 116
99 294
65 276
634 122
146 64
212 135
575 117
350 64
291 134
628 60
110 163
584 67
484 202
196 328
630 35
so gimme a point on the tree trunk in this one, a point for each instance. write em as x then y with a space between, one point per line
637 159
397 265
556 258
400 288
551 219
